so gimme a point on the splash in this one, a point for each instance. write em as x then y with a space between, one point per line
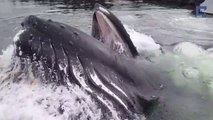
190 67
28 98
142 41
145 44
189 49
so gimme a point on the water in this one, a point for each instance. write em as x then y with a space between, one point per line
150 27
165 25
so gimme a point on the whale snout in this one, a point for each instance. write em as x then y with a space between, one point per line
37 36
30 21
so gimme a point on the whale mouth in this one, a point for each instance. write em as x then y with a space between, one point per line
107 28
103 28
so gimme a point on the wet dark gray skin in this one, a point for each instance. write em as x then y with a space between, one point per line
142 87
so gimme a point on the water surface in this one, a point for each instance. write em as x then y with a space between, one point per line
145 23
166 25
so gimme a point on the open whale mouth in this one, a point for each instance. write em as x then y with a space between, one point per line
108 28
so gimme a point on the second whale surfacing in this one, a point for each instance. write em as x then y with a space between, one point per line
108 69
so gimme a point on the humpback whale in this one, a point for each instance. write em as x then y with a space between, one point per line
108 68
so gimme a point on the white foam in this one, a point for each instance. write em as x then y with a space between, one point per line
192 66
31 99
141 41
16 38
35 101
189 49
6 57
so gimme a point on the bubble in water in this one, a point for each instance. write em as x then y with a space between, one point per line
188 49
191 73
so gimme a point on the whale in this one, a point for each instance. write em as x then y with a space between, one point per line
106 65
